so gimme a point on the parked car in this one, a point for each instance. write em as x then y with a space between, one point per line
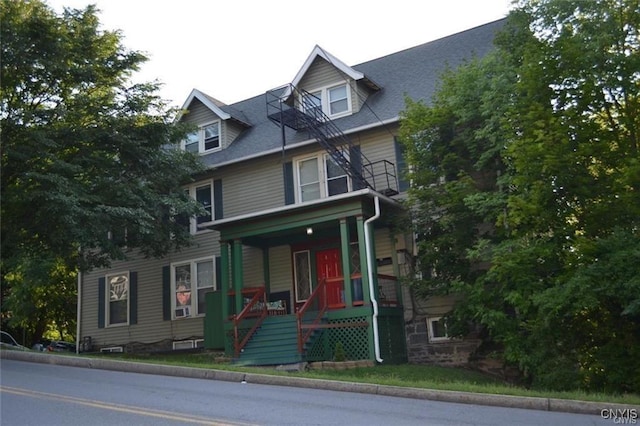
61 346
41 346
8 342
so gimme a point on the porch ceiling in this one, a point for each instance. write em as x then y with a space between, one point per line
287 225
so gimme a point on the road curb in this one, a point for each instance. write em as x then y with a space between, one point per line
509 401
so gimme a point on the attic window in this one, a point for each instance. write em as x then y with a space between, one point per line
335 101
205 139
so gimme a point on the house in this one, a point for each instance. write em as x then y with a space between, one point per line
298 251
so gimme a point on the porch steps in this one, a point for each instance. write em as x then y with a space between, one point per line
274 343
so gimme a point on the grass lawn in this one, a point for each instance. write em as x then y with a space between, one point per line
406 375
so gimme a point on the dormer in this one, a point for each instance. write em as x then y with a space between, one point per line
218 124
339 89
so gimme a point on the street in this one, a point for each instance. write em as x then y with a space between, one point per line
43 394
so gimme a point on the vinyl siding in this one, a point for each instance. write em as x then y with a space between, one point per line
150 327
253 186
249 187
322 74
200 114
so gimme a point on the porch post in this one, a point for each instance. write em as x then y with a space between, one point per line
366 297
224 278
346 262
236 259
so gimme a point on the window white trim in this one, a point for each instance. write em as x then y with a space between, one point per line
324 191
190 268
435 327
325 99
120 291
201 135
193 193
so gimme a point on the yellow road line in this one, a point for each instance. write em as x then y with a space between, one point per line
120 408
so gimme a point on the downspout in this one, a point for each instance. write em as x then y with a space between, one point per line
370 259
78 309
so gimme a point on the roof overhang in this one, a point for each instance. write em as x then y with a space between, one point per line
289 223
196 94
341 66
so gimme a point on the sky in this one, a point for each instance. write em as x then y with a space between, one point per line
236 49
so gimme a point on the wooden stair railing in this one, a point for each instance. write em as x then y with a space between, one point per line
251 310
319 296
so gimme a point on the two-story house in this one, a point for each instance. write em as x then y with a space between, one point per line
298 250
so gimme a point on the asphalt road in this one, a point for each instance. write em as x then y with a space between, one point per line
44 394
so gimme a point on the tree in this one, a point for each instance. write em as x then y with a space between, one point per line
90 165
560 287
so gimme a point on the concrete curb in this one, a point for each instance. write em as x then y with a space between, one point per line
531 403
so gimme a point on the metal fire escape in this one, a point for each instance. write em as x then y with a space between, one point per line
302 111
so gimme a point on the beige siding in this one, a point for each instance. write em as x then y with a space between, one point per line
199 113
231 131
280 268
150 327
320 74
253 186
253 271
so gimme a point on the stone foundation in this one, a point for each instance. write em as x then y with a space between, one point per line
420 350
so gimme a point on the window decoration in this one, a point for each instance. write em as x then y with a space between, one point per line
189 295
118 299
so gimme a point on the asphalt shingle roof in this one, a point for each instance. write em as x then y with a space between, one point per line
414 72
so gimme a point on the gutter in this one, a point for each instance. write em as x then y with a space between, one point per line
370 259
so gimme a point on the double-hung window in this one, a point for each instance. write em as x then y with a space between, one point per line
320 177
203 194
338 100
203 140
190 282
334 101
117 309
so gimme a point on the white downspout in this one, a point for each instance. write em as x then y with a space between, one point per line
370 259
78 309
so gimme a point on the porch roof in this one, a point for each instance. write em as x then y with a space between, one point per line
288 224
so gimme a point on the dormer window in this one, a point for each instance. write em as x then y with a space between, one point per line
335 101
338 100
203 140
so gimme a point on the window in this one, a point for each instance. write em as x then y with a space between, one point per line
320 177
202 192
190 282
205 139
302 271
204 196
437 329
334 101
117 308
338 100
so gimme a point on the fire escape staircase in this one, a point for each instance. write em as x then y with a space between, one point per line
300 110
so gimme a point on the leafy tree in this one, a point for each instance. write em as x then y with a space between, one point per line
90 169
560 291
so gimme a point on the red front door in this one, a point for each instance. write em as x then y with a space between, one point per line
328 266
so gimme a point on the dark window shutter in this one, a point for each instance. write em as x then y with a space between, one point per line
218 273
166 293
355 158
133 298
102 287
218 212
401 166
289 191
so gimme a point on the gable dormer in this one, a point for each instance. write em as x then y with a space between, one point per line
340 90
218 124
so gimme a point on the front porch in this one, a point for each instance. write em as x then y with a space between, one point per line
332 293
